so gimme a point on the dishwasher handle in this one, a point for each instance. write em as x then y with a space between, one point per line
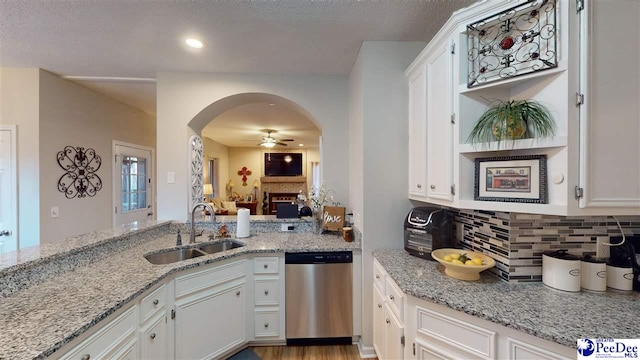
319 257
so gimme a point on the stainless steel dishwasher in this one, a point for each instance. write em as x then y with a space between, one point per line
319 298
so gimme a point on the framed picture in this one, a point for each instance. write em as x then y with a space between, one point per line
511 179
249 198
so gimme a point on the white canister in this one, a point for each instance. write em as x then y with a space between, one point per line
593 274
620 277
561 270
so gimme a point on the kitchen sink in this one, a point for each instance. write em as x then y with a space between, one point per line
220 246
172 256
176 255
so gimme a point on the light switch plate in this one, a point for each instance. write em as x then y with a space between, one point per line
171 177
285 227
55 212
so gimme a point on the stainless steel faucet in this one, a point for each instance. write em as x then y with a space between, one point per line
192 235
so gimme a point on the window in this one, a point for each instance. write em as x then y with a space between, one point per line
134 183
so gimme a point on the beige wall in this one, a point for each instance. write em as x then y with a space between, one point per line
19 98
77 116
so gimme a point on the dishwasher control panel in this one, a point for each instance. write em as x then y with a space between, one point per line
319 257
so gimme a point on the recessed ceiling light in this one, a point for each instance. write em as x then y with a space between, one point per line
194 43
272 104
300 144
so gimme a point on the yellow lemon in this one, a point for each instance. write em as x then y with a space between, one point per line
455 256
477 261
447 258
456 261
469 262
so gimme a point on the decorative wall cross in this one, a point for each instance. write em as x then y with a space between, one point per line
244 172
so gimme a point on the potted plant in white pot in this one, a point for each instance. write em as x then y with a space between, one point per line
512 120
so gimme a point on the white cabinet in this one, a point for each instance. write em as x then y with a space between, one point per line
438 332
591 168
153 335
609 116
417 134
210 311
115 340
440 117
388 307
268 298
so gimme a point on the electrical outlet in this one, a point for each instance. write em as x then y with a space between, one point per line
286 227
602 250
55 212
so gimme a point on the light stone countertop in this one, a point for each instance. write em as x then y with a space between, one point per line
533 308
40 319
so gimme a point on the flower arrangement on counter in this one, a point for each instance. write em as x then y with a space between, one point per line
319 197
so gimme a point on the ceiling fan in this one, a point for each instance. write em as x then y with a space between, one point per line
269 141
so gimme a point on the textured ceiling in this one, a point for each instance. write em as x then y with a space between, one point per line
136 39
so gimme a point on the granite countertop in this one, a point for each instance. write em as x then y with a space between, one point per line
533 308
38 320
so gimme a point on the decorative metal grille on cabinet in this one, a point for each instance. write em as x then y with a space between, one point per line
517 41
195 147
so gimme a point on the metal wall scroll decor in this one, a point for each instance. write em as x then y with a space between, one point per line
196 159
517 41
80 178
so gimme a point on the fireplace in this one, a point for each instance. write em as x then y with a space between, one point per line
280 198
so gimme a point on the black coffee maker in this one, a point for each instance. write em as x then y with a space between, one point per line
628 255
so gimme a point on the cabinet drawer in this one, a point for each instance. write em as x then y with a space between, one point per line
265 265
203 279
267 324
267 292
153 303
379 276
471 339
112 338
395 298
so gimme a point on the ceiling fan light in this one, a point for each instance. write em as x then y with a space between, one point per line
268 144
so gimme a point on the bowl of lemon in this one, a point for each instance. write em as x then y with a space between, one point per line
463 264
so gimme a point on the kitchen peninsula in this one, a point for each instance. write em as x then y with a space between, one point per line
56 296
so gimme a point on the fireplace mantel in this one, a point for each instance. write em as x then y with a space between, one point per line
283 179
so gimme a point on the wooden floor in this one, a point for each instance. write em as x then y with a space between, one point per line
335 352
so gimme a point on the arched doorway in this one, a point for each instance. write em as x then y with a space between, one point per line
236 157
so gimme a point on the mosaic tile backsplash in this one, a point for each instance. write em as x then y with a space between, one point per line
516 241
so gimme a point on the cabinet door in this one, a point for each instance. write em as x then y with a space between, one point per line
393 333
154 340
210 322
378 322
439 76
417 135
610 175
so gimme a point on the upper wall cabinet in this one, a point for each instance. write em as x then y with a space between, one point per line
558 53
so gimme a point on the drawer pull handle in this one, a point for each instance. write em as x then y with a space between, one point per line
379 306
377 277
266 325
391 297
419 186
153 336
432 187
86 357
155 302
238 293
266 292
266 266
388 321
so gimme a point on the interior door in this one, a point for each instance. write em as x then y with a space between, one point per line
8 189
132 190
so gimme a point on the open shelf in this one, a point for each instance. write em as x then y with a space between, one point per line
507 84
507 145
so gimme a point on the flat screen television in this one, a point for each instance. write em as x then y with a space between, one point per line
282 164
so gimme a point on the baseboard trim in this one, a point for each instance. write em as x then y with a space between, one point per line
366 352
